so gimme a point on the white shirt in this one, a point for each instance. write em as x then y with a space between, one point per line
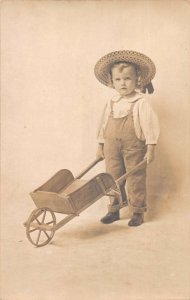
145 120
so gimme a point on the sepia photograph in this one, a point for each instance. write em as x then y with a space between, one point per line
95 150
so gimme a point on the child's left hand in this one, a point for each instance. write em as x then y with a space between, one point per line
150 153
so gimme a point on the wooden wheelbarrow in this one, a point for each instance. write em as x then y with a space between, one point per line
67 195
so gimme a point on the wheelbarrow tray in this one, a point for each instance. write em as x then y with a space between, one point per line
62 193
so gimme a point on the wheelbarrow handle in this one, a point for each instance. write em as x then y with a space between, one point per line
89 168
121 179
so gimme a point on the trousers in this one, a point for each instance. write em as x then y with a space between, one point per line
123 151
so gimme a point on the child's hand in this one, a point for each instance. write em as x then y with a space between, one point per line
100 151
150 153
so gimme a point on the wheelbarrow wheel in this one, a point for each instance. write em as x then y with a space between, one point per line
40 227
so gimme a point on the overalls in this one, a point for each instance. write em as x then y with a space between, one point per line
123 151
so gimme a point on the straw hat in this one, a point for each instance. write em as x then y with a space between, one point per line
146 65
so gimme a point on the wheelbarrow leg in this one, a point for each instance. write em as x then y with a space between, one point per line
64 221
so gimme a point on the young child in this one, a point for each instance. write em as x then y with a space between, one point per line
129 128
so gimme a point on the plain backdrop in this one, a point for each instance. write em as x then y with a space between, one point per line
51 102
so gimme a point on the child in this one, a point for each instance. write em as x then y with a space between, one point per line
129 128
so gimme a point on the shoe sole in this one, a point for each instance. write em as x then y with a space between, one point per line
135 225
109 222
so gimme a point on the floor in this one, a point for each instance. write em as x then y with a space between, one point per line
90 260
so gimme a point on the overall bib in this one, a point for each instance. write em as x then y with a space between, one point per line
123 151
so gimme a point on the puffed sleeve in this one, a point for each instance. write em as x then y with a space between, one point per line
102 124
148 122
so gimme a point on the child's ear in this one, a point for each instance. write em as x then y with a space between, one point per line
110 82
110 85
139 82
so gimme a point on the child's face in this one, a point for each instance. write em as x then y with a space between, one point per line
124 81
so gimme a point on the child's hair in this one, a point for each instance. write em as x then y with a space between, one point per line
122 65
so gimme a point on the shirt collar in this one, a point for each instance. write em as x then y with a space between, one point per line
136 97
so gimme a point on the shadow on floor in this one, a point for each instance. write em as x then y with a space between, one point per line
89 231
163 184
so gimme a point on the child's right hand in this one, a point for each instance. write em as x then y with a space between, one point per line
100 151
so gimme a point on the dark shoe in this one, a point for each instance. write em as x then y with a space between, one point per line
136 220
110 217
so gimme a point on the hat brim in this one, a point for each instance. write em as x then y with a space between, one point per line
146 65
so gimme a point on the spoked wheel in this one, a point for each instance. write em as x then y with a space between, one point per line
40 227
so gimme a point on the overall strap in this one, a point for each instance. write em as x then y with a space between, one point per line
111 106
